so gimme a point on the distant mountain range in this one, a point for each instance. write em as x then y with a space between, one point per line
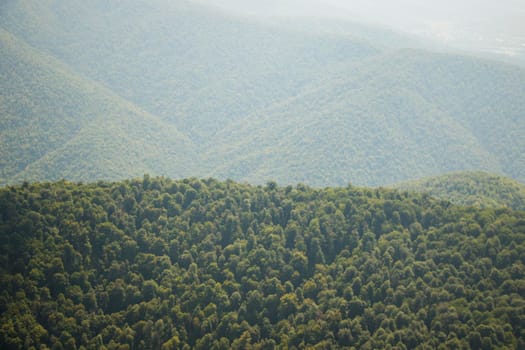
110 90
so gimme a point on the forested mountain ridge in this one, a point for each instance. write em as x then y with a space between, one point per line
184 62
153 263
397 115
475 188
231 97
68 126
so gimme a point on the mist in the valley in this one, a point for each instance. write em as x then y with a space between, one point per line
491 26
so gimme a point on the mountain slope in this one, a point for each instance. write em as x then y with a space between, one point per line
472 188
258 101
153 263
185 62
56 124
405 114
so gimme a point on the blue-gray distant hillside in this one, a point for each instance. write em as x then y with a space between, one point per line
108 90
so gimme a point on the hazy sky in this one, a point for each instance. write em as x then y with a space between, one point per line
487 25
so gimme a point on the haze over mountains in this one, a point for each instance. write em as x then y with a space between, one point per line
177 97
107 90
483 26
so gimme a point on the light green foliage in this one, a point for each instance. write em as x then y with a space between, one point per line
56 124
478 189
153 263
102 89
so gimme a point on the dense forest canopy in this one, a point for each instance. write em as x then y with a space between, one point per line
475 188
154 263
110 90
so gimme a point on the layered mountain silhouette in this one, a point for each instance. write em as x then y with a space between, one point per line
107 90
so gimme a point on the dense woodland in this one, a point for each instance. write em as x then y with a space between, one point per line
153 263
476 188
